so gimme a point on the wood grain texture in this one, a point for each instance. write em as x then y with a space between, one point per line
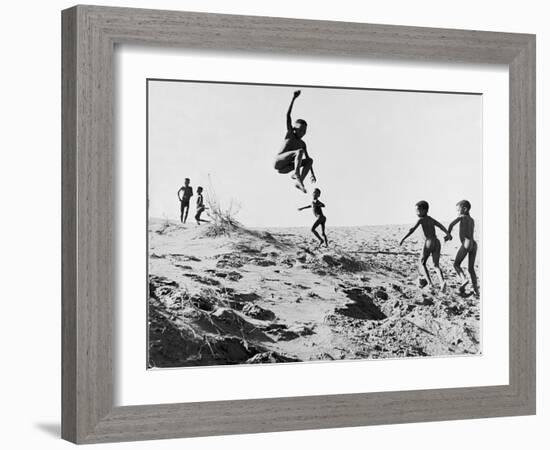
522 243
68 225
88 207
89 36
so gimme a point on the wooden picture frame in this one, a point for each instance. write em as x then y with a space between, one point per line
89 37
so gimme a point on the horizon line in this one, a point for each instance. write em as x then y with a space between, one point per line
299 226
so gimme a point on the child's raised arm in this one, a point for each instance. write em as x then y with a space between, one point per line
411 231
304 207
288 118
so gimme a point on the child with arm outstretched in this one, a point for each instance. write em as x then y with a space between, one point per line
321 219
432 245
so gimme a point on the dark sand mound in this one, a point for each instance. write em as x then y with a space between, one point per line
203 329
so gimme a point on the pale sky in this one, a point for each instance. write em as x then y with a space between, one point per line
376 153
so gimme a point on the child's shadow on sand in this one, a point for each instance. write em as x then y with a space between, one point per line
53 429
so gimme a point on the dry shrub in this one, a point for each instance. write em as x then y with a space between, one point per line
222 219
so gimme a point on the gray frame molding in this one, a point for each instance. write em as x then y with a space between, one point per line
89 36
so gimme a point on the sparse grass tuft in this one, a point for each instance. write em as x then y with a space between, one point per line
222 219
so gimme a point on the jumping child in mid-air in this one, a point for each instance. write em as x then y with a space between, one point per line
293 155
200 206
317 206
432 246
184 195
468 247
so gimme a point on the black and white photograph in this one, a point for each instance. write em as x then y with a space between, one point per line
292 224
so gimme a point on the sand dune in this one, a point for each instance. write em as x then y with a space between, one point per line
272 295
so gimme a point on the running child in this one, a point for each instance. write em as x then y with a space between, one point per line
468 247
200 206
293 155
317 206
184 195
432 245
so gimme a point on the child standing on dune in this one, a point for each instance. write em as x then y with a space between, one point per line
468 247
432 245
317 206
184 195
200 206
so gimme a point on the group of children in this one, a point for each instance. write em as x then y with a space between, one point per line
184 195
293 157
432 245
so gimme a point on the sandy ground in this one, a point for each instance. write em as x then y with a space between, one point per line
274 295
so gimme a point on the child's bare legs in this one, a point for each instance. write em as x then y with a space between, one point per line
306 164
183 214
435 257
302 167
422 269
319 221
198 216
186 214
296 161
471 268
460 255
323 230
